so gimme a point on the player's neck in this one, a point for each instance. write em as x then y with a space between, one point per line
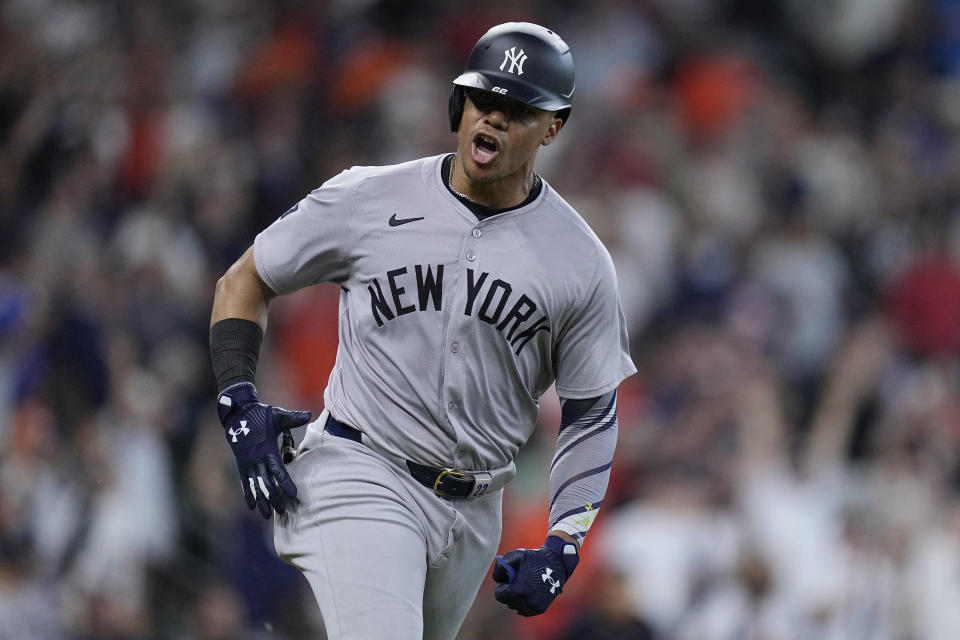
500 193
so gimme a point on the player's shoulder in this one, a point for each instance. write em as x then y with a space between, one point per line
359 174
569 226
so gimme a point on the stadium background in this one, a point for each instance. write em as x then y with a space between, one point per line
777 181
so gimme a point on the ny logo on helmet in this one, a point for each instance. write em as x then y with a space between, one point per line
515 59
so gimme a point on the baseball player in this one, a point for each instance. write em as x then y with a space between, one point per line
468 287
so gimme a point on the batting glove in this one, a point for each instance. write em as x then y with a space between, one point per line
252 429
528 580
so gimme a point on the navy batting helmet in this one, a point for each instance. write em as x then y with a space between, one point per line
521 61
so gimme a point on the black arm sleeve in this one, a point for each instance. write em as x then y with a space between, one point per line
234 351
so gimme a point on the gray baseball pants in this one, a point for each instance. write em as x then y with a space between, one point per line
385 556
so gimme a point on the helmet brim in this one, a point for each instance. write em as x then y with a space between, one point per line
515 89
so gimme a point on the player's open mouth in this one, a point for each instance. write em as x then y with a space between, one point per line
484 149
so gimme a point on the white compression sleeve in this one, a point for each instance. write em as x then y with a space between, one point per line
580 469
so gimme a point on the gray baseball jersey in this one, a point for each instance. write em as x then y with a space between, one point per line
450 328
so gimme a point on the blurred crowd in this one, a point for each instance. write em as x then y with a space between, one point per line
778 182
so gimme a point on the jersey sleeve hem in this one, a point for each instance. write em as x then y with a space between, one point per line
583 394
262 270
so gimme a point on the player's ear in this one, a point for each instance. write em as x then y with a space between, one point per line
552 131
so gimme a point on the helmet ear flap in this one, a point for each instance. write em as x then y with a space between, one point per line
455 107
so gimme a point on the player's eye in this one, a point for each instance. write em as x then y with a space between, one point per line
524 112
486 102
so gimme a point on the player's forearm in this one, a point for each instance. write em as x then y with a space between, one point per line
581 466
240 305
240 293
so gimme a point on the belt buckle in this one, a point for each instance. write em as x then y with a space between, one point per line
449 472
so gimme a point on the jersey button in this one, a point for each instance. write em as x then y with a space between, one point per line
471 256
477 233
451 406
455 347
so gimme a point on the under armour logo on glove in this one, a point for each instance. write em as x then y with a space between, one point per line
242 432
528 580
252 429
554 584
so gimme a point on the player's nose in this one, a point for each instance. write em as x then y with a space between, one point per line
496 118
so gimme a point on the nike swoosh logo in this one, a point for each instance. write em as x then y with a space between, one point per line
396 222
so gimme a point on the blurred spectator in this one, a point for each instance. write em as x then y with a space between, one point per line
807 278
666 544
218 614
933 590
925 305
28 602
612 617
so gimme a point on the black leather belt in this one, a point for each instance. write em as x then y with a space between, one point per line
446 483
